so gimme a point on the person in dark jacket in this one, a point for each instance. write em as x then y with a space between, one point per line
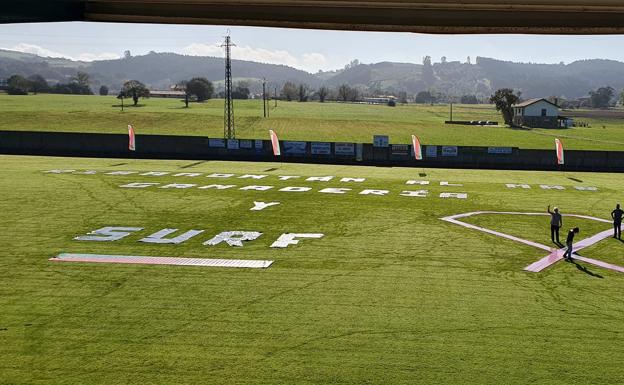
569 241
617 221
555 224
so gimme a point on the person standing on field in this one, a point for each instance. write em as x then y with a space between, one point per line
569 241
617 221
555 224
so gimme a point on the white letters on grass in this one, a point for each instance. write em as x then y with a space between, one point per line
108 234
291 239
159 236
262 205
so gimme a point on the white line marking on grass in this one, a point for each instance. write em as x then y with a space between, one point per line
555 254
133 259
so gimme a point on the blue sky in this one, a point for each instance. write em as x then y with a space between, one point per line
309 50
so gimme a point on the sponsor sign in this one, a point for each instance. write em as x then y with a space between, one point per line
431 151
359 149
449 150
245 143
295 148
399 149
500 150
320 148
233 144
213 142
380 141
344 149
259 146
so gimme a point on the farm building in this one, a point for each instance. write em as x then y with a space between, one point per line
166 94
539 113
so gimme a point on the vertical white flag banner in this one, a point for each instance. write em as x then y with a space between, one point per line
559 149
275 143
417 148
131 145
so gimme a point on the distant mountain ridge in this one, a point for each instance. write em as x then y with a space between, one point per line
162 70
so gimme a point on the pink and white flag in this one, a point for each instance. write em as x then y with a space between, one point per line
131 145
559 149
417 148
275 143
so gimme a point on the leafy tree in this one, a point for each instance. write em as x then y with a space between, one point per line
503 99
200 87
82 78
622 98
424 97
103 90
303 92
469 99
241 92
601 97
289 91
17 85
323 91
403 97
134 89
38 84
427 72
344 92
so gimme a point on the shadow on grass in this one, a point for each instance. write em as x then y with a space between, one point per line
128 105
585 269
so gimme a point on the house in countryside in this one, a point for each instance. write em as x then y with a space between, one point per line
539 113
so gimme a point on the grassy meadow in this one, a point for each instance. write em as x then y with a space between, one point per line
311 121
390 295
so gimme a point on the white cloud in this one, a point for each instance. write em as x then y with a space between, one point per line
310 62
44 52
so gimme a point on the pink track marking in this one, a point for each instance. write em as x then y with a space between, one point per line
554 256
131 259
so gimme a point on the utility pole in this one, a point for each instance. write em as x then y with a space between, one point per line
451 110
228 109
264 98
275 94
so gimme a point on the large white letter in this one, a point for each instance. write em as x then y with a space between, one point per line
454 195
419 182
374 192
295 189
548 187
513 185
286 177
233 238
179 185
262 205
586 188
289 239
188 174
333 190
139 185
247 176
450 184
353 180
320 178
58 171
108 234
218 186
155 173
256 188
121 172
219 175
159 236
419 193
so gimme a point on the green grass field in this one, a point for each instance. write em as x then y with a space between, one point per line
310 121
390 295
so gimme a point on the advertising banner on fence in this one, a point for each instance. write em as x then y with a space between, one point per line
432 151
344 148
295 148
416 149
449 150
320 148
399 149
245 143
259 145
233 144
500 150
214 142
380 141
